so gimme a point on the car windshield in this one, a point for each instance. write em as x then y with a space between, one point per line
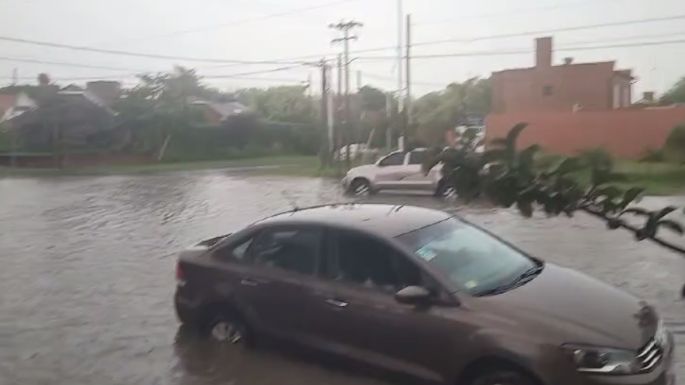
475 261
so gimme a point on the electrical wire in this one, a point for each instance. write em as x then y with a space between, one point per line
507 13
527 51
66 64
243 21
294 60
495 37
134 54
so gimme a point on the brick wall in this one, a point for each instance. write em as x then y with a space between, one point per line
556 88
626 133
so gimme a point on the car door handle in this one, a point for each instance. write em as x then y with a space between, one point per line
337 303
252 282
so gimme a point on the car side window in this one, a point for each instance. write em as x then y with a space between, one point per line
396 159
417 157
234 253
292 249
361 260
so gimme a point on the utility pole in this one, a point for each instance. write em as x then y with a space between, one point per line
346 27
325 139
359 80
407 97
400 80
388 119
15 76
338 126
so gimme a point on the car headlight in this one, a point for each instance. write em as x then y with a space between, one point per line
598 360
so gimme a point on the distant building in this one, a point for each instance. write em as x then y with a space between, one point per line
574 107
13 105
216 113
76 117
565 87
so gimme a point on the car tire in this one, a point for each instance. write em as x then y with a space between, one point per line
443 190
360 186
502 377
229 329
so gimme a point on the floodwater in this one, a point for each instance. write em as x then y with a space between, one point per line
87 265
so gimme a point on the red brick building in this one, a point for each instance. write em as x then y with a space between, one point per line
565 87
574 107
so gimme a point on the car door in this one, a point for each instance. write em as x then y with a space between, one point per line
415 177
365 321
277 289
391 171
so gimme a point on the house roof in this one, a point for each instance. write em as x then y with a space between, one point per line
560 66
6 102
224 109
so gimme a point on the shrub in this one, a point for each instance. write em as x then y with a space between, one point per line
653 156
675 144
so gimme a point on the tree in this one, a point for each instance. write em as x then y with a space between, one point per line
43 79
281 104
159 106
676 94
506 177
675 144
372 99
443 110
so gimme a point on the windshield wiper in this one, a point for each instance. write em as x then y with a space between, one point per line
520 280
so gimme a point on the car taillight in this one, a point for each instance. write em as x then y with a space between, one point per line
180 275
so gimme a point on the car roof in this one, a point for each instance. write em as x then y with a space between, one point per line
381 219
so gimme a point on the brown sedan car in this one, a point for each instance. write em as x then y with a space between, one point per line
421 292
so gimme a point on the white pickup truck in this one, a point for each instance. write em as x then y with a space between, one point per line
397 171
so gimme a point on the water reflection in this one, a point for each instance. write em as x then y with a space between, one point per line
87 265
200 361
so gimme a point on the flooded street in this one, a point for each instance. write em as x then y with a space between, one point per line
87 274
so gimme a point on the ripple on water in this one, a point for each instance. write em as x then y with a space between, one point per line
87 273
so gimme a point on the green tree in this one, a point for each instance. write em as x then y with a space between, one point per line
675 144
442 110
372 99
676 94
288 104
509 177
159 106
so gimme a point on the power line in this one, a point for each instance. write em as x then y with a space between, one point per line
280 69
295 60
66 64
134 54
528 51
502 36
508 13
393 79
529 33
555 30
244 21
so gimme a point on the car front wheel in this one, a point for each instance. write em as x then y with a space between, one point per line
360 186
444 190
504 377
229 329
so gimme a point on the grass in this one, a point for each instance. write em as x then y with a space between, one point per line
290 165
656 178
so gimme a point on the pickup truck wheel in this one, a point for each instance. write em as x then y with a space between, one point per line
360 186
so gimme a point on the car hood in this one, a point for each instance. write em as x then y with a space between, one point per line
362 169
570 307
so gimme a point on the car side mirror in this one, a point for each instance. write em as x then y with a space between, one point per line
413 295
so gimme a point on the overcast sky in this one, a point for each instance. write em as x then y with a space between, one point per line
283 29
